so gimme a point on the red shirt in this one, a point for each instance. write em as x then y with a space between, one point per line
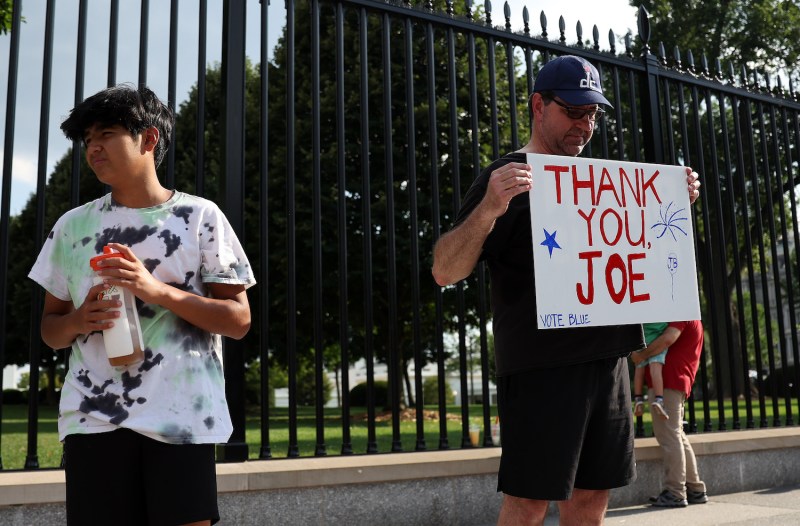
683 357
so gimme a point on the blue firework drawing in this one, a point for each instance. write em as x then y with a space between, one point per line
669 221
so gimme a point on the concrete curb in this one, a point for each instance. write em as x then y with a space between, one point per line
446 487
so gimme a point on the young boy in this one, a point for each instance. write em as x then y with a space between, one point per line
655 363
139 439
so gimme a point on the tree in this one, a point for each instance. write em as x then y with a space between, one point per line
737 137
22 331
6 11
431 150
763 34
368 315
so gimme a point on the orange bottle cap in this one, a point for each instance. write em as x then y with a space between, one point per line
108 252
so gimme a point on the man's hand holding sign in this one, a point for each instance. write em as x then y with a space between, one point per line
613 242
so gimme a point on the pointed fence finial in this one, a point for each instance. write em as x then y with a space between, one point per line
612 42
629 44
662 54
677 54
507 13
487 7
643 23
468 6
690 61
562 28
718 67
596 38
543 23
526 19
579 32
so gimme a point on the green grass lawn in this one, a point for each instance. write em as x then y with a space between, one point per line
14 438
307 433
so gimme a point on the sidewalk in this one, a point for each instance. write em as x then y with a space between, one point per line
777 506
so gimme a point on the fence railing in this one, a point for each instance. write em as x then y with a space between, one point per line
341 154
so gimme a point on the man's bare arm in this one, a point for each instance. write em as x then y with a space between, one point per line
456 252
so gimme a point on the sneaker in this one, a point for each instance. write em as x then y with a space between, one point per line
658 408
638 408
696 497
668 500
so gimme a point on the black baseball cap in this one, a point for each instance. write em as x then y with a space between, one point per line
573 79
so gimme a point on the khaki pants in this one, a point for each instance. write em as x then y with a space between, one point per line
680 465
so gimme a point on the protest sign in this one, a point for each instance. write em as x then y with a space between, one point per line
613 242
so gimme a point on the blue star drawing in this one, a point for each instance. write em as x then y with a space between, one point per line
550 241
669 222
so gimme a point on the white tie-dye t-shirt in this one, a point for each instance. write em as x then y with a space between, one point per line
177 394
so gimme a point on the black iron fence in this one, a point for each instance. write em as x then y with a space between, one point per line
341 154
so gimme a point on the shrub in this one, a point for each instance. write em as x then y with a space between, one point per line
430 392
358 394
56 397
15 397
252 385
785 380
306 385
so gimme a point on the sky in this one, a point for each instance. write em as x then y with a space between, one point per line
616 15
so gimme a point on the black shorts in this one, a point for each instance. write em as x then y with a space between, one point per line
124 478
564 428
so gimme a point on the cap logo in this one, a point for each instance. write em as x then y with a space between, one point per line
589 82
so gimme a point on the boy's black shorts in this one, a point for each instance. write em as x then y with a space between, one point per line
564 428
124 478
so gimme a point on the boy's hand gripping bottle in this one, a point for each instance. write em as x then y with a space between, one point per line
124 343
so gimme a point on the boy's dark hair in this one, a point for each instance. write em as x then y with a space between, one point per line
135 109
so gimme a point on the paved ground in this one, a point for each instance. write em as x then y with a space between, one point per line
771 507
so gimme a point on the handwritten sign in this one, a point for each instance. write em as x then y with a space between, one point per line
613 242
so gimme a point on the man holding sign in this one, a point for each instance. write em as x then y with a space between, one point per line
563 394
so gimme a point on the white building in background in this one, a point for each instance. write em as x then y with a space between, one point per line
12 374
358 374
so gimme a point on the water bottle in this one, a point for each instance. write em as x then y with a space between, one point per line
123 341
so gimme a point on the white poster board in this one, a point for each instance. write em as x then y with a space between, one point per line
613 242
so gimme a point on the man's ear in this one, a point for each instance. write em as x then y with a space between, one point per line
150 138
536 105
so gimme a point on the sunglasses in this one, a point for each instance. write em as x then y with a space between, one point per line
595 114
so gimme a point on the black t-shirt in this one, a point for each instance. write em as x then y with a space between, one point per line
519 345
